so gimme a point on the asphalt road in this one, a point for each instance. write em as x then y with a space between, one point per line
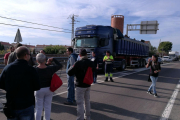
126 98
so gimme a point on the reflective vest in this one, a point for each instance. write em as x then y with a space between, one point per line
108 61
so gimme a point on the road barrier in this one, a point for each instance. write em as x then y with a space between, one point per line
63 61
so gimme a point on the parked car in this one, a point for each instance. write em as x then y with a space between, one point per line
166 59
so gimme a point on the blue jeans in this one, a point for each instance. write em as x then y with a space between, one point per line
95 76
153 85
25 114
71 89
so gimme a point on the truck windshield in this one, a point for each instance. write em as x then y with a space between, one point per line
86 42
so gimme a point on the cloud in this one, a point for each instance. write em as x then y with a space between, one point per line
55 13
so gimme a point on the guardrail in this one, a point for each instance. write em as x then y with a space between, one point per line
63 60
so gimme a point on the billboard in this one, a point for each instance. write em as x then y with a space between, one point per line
149 27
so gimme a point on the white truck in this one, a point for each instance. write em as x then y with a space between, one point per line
174 55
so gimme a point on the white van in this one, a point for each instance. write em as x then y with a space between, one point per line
166 59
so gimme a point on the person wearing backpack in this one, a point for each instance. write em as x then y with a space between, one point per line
80 70
155 69
71 87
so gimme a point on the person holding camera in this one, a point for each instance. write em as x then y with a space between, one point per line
155 69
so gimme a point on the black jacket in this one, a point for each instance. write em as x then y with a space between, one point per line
79 70
45 74
19 80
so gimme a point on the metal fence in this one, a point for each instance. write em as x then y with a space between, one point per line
62 60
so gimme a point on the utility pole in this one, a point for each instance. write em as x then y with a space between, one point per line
72 17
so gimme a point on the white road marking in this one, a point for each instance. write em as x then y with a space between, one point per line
167 111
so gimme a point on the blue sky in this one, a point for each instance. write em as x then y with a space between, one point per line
98 12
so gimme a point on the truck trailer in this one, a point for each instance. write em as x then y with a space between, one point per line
126 51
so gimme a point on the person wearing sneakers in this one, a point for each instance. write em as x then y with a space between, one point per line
82 89
108 59
155 69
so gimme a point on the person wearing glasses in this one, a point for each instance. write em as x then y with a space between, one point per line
20 80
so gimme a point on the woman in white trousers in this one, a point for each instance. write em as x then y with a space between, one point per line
43 97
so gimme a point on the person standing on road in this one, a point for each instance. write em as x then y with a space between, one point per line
43 97
20 80
43 52
108 59
155 69
96 64
82 89
7 54
12 57
71 87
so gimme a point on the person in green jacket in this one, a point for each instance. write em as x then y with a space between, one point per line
108 59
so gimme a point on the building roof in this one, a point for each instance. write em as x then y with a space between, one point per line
5 43
29 46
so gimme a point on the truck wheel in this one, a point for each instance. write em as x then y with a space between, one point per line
123 66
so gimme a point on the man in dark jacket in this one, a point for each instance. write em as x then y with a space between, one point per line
20 80
82 89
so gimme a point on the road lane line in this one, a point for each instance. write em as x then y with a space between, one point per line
167 111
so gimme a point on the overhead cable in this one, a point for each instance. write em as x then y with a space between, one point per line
33 28
34 23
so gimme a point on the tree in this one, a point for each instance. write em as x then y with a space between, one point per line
153 51
165 46
1 47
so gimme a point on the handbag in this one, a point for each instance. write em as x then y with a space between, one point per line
88 79
149 79
56 82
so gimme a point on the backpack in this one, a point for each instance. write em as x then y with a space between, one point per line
88 79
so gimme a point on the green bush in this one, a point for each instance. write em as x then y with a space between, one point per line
55 49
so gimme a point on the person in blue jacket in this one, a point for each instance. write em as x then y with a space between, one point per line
71 87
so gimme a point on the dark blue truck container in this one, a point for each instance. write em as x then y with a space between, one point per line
126 51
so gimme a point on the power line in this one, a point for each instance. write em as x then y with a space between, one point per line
33 28
34 23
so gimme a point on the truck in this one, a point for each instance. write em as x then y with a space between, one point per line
126 51
174 55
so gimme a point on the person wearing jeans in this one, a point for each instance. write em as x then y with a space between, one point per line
20 80
82 89
155 69
43 97
70 79
153 85
26 114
